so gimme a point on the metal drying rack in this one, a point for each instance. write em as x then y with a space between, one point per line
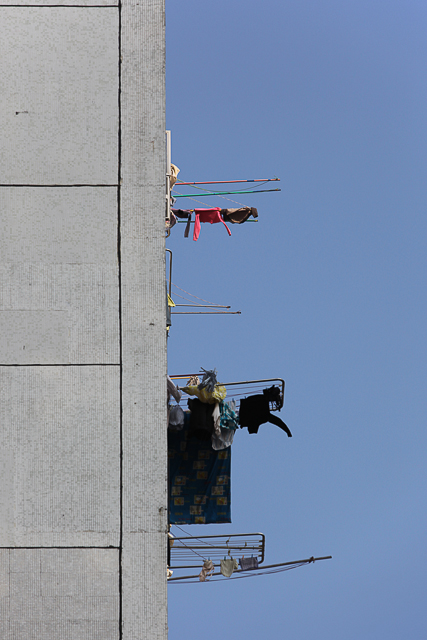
186 551
242 383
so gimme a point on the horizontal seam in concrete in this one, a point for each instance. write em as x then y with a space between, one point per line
56 186
70 6
72 364
56 547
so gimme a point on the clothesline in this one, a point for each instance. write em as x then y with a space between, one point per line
228 181
204 435
253 572
205 312
223 193
193 221
192 295
217 306
189 549
253 411
232 395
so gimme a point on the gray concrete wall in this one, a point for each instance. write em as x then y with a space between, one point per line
82 321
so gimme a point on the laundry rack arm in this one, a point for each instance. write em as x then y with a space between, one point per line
241 382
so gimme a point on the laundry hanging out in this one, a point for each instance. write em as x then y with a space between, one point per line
255 411
213 216
221 419
209 417
198 479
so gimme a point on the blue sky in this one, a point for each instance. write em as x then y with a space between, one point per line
331 97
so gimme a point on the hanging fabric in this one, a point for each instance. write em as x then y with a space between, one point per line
207 215
173 391
204 395
228 566
238 216
198 480
173 174
207 570
246 564
224 428
255 411
184 214
201 419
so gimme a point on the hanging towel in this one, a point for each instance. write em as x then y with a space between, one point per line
207 215
228 566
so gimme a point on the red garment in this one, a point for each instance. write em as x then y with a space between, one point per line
207 215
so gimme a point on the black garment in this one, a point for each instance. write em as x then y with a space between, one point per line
182 213
186 214
255 410
237 216
201 420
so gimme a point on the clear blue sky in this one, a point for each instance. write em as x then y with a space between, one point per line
331 97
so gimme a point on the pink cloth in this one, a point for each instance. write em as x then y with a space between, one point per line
207 215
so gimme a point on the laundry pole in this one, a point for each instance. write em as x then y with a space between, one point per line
221 193
228 181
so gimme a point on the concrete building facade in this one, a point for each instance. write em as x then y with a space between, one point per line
83 455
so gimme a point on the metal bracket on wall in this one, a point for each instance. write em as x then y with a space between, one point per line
198 306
